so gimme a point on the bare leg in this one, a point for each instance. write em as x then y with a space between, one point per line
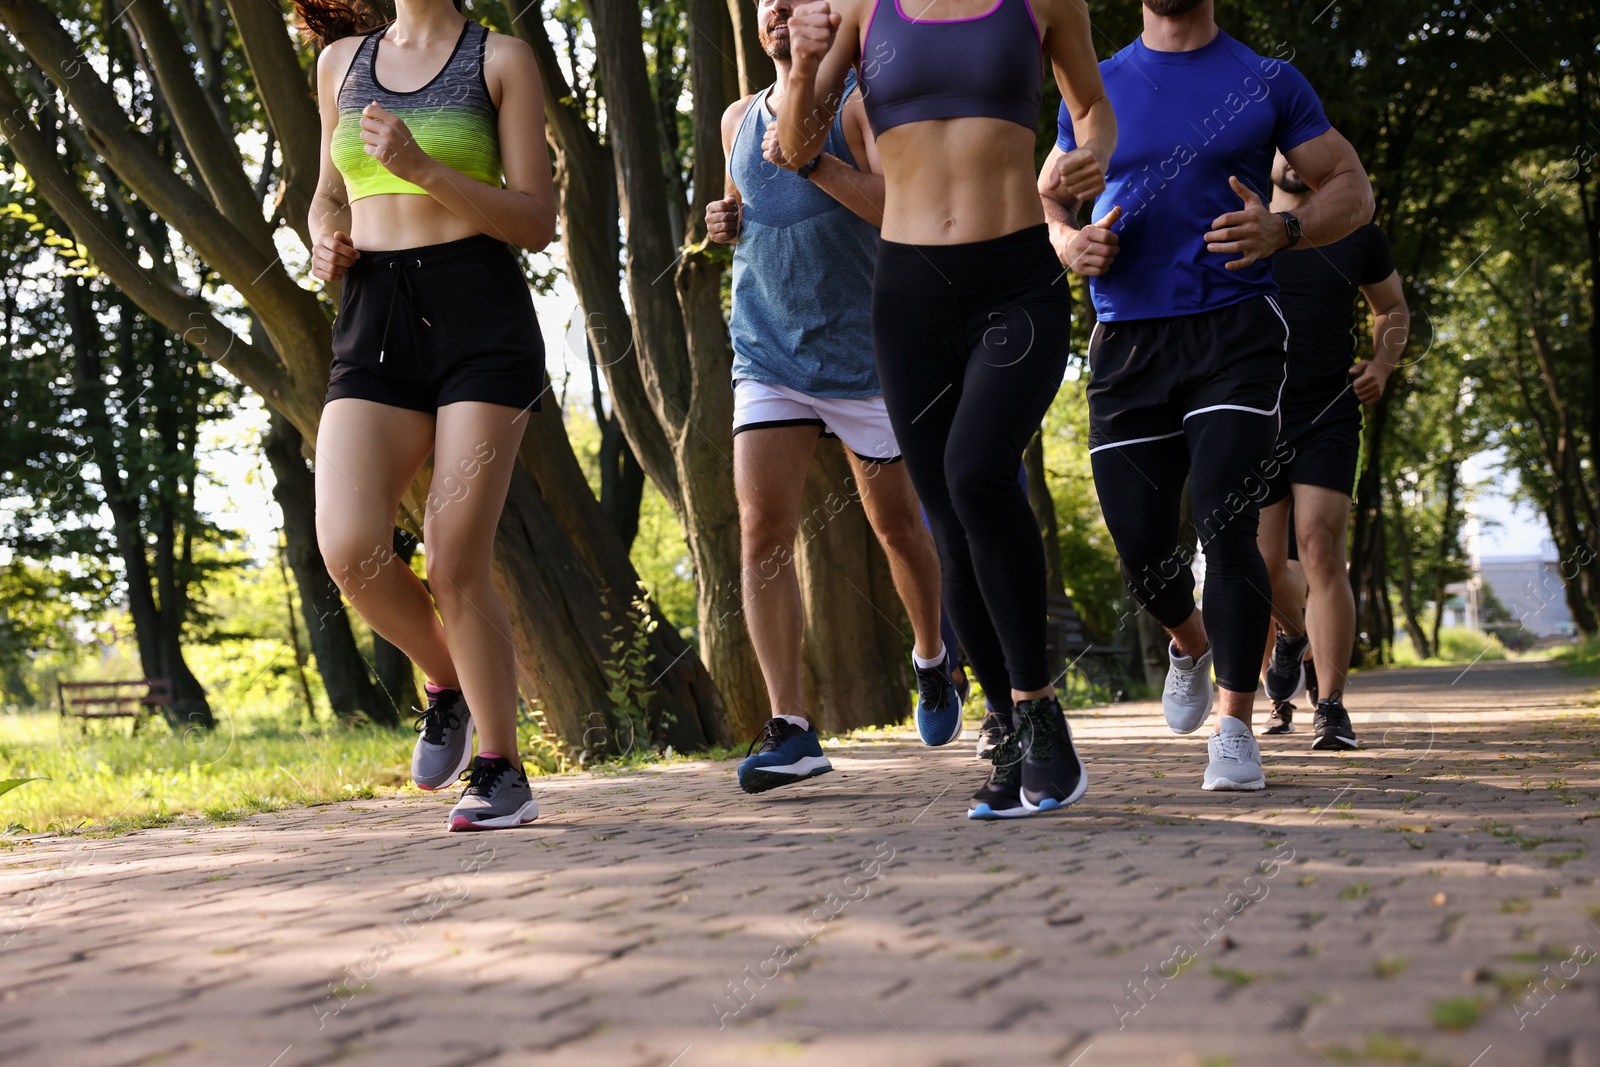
769 474
367 456
1272 537
892 509
1321 516
475 450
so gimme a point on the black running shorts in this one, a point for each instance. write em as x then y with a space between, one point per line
424 327
1321 451
1146 376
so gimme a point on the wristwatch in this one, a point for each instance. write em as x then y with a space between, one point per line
1291 226
805 169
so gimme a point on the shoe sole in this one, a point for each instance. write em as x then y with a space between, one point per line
1334 741
455 775
1224 785
921 732
984 811
1051 803
521 817
761 779
1300 683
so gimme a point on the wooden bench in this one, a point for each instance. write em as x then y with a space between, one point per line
1069 644
135 698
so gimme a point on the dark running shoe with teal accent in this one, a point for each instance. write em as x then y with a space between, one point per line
497 797
1053 775
444 740
1286 672
1001 795
781 754
938 704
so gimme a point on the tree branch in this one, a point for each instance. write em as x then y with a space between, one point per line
185 315
210 146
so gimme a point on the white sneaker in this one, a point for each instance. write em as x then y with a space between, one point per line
1235 758
1186 697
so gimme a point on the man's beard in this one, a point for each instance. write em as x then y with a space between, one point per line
1288 184
1171 9
774 47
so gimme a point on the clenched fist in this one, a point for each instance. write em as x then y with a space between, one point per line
332 256
811 31
1078 174
722 220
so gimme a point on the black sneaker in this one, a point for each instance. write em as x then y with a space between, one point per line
1001 795
1052 774
1286 674
1331 727
1281 721
996 728
1311 682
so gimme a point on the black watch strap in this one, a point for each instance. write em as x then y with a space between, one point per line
1291 227
805 169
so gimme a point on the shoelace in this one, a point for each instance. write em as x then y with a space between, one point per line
769 738
437 716
1038 723
1233 747
1007 758
482 775
932 684
1282 709
1187 680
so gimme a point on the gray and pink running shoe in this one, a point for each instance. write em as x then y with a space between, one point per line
497 797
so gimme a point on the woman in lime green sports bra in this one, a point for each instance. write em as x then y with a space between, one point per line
434 165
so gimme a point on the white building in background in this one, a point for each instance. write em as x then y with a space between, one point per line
1531 589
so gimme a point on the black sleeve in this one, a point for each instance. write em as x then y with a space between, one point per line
1379 261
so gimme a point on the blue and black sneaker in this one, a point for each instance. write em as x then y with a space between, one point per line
782 753
1053 775
1001 795
938 704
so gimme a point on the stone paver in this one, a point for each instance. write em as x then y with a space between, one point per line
1349 914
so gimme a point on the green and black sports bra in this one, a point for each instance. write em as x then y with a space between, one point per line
452 117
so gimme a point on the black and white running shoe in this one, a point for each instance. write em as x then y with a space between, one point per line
1053 775
995 729
1281 721
1331 727
1001 796
1286 673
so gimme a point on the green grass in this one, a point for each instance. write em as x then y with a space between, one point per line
110 781
1389 966
1457 645
1457 1013
1582 659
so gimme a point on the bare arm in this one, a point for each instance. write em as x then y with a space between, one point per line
1341 202
861 189
723 217
1087 252
329 220
822 47
1071 178
524 212
1391 326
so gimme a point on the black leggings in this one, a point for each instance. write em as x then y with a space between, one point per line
1227 456
972 341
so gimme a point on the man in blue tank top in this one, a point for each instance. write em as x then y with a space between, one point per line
1188 359
805 236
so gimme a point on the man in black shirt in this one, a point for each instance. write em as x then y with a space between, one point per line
1319 441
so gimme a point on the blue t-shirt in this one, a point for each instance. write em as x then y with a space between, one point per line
1185 122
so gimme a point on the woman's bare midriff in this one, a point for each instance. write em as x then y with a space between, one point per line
389 221
954 181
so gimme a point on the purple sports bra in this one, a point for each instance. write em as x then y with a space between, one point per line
987 66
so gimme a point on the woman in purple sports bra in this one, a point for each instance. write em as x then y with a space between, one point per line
970 313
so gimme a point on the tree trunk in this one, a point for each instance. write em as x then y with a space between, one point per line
850 606
351 691
1408 586
756 69
621 476
1449 540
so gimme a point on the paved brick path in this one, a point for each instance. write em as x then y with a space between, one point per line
1350 914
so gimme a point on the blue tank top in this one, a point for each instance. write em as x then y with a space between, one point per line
802 273
986 66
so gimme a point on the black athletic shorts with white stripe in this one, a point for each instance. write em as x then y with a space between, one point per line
1147 376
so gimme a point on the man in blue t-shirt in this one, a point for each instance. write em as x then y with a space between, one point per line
1187 362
